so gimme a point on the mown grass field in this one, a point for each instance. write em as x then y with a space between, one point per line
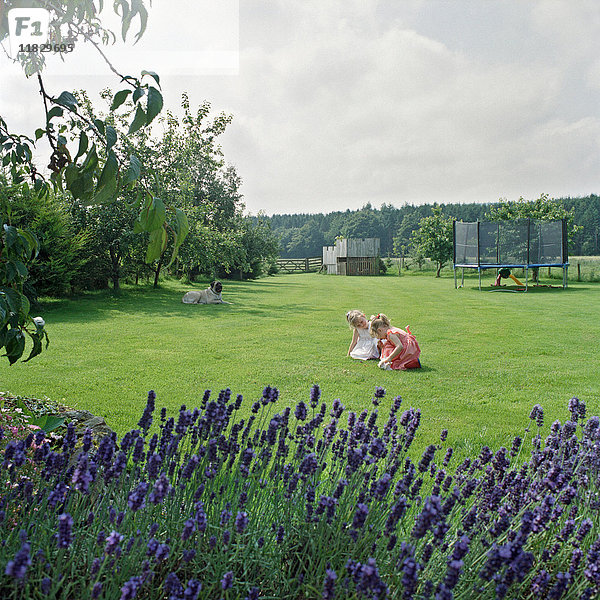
487 356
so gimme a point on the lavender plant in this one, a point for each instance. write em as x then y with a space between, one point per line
302 503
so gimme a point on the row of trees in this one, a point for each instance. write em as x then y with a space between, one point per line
87 246
304 235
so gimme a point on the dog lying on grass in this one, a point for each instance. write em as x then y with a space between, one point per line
211 295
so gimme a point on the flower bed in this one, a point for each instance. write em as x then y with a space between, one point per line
306 503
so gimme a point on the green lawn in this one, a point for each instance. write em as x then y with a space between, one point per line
487 356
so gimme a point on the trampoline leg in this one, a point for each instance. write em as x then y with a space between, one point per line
526 278
479 279
462 281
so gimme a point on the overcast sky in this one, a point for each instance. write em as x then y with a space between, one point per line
337 103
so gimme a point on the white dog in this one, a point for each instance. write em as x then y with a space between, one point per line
211 295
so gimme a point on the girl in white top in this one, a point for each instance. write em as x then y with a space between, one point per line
362 346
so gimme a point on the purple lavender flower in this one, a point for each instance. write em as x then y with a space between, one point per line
337 409
188 528
241 521
17 567
227 581
138 450
367 579
280 534
87 440
360 516
112 542
426 458
65 530
160 490
315 394
162 552
428 517
46 585
192 590
253 594
96 590
537 415
146 420
130 588
301 411
82 476
137 498
225 516
379 394
70 438
226 537
382 485
309 464
329 585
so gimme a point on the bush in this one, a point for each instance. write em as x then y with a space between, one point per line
300 504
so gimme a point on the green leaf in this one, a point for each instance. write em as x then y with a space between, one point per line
155 104
67 100
141 10
91 160
15 345
47 422
31 242
35 350
111 137
138 121
156 245
83 145
39 133
55 111
107 184
182 228
133 171
153 75
99 123
11 235
25 304
152 216
119 98
138 93
12 298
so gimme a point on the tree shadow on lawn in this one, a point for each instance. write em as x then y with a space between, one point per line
157 303
532 289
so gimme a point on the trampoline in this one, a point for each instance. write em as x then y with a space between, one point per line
525 244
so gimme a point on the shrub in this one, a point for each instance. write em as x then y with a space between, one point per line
304 503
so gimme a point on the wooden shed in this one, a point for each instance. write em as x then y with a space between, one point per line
352 256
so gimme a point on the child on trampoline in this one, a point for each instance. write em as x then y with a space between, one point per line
362 346
400 350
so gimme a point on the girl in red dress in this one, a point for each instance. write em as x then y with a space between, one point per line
400 349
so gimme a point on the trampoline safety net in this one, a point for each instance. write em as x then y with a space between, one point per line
524 243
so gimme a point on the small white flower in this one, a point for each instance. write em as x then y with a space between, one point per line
39 321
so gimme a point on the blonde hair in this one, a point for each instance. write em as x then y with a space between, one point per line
352 316
378 321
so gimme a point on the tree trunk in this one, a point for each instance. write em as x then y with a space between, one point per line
439 268
115 259
157 272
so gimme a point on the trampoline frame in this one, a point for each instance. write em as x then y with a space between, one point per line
499 265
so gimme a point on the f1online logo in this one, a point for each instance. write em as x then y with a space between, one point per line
27 26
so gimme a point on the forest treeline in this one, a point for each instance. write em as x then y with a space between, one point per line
304 235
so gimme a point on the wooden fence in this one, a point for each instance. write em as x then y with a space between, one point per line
299 265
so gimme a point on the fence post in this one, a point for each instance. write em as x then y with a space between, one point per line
306 265
578 271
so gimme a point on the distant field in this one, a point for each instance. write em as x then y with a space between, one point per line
487 356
